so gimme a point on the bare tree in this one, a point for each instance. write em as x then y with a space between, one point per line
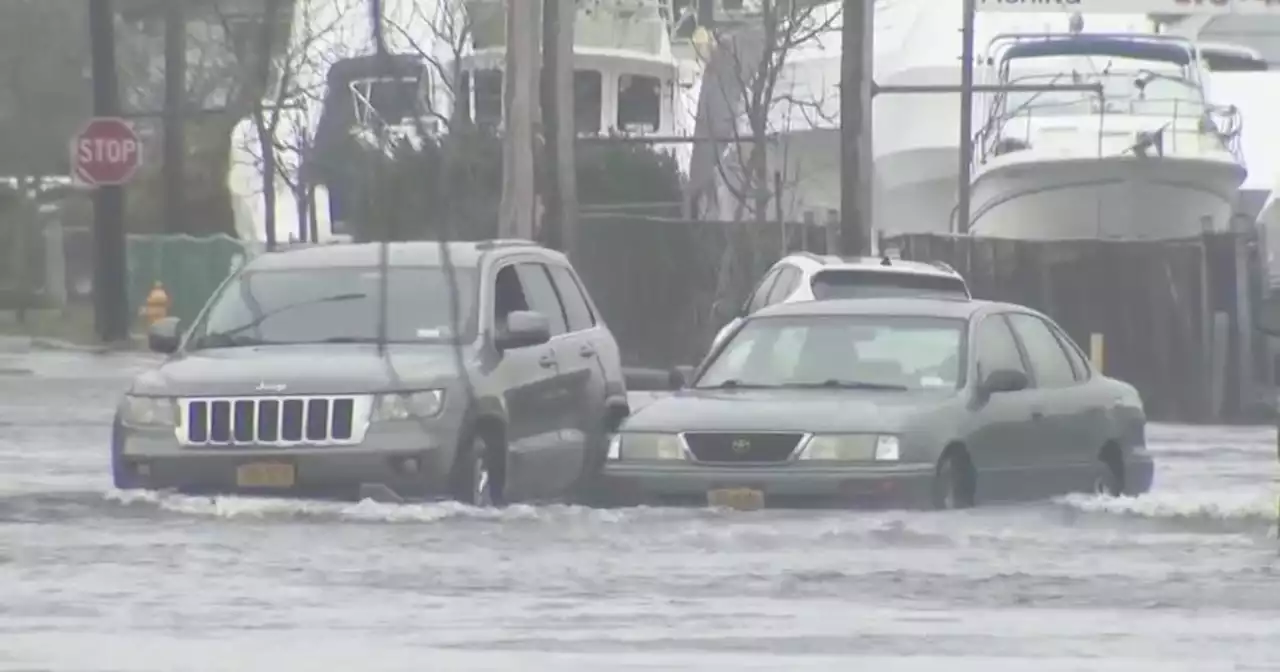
766 99
289 54
756 83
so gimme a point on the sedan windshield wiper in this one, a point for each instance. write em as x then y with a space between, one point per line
835 383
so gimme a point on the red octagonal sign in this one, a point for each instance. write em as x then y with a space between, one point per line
105 152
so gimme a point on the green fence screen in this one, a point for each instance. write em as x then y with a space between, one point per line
190 269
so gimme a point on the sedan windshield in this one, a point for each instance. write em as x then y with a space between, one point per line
854 351
336 305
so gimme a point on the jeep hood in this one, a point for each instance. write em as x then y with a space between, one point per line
300 369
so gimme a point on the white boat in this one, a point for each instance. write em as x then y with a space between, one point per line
1148 159
627 79
627 82
916 144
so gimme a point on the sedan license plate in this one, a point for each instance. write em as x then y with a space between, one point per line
265 475
740 499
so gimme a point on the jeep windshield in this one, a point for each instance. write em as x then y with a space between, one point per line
336 305
867 284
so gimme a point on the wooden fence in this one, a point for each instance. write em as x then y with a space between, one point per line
1153 303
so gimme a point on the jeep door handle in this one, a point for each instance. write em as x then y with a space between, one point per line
547 361
587 351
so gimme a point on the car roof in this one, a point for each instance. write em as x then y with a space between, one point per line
405 253
958 308
814 263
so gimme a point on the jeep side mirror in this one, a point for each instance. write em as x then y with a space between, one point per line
1267 317
163 335
524 328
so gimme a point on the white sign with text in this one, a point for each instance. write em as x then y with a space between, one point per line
1254 7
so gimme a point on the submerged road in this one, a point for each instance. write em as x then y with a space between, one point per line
1186 578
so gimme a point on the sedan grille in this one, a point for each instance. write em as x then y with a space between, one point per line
742 447
274 421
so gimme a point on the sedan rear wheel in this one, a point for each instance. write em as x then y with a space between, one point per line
953 486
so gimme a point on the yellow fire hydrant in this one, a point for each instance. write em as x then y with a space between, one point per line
156 307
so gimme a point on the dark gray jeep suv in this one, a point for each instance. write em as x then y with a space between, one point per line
493 379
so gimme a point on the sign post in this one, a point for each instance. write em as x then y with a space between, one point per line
105 153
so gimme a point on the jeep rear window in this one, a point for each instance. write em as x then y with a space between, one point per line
860 284
319 305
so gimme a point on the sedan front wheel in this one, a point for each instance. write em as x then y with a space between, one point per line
953 482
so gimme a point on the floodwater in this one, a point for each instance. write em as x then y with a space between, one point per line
1186 578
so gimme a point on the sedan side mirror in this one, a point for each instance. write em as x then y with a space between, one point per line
524 328
163 335
1005 380
1267 318
680 376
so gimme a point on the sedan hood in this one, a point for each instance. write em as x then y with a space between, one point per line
826 411
299 369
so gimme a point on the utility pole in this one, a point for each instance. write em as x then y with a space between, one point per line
110 301
519 81
560 218
175 104
963 205
856 161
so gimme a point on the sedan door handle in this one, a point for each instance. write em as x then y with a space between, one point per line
547 361
587 351
1037 414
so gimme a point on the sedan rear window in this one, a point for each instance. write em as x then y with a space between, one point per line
864 284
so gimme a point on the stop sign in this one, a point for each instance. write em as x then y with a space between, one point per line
105 152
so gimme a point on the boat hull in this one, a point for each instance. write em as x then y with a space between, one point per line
916 191
1116 198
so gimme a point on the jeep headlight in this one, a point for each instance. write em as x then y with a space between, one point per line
852 448
149 412
646 446
408 405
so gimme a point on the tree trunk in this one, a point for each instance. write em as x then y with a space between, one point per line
267 131
267 147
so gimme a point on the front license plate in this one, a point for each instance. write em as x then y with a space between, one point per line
265 475
741 499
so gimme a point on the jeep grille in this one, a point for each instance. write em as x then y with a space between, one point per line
274 421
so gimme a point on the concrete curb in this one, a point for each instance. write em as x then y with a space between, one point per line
15 343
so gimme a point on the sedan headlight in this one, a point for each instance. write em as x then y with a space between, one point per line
408 405
646 446
149 412
852 448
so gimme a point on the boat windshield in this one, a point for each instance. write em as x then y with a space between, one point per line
1129 86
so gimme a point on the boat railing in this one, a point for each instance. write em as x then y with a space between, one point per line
374 128
1174 119
999 45
1001 41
